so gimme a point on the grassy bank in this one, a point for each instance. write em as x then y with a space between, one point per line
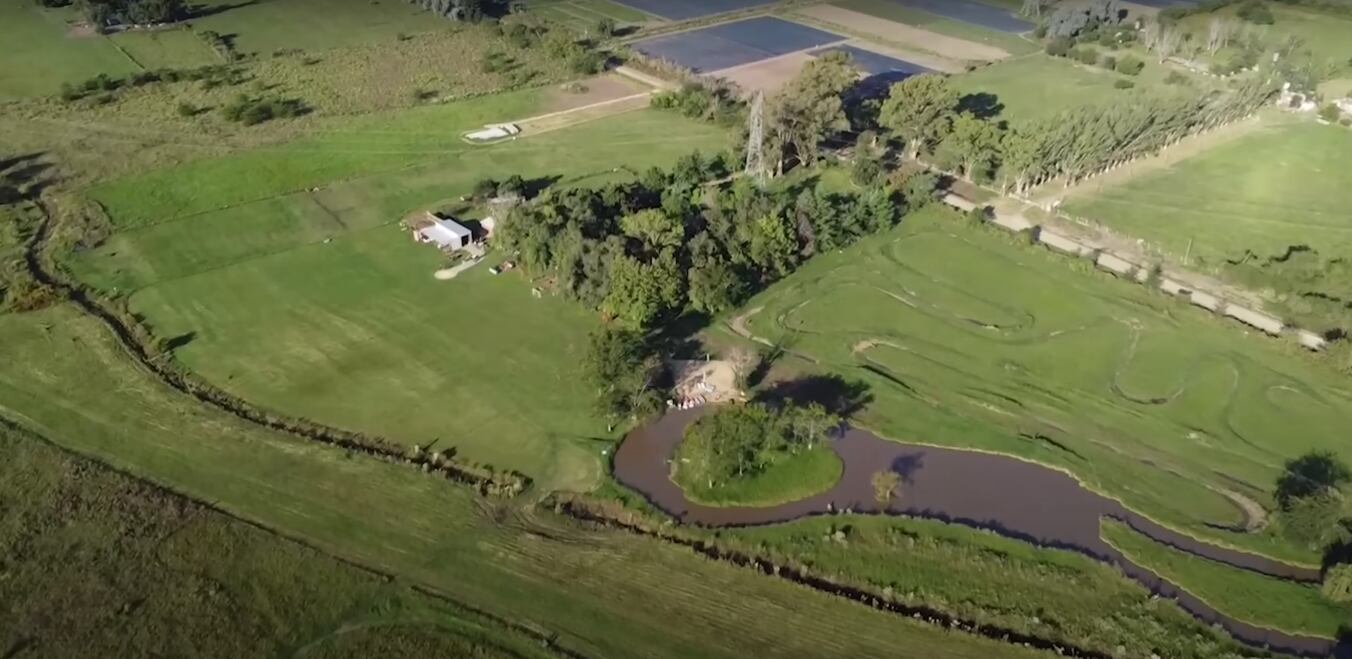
1247 596
604 593
986 578
970 338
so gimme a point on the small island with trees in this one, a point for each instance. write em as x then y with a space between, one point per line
759 454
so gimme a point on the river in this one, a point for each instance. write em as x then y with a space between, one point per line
1013 497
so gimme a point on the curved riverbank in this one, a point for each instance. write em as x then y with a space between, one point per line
1012 497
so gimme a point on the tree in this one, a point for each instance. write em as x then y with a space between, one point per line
621 366
715 287
1315 473
1033 8
640 293
654 228
807 425
811 107
976 144
920 189
1219 32
885 485
920 110
773 245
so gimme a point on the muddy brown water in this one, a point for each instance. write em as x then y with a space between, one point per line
1012 497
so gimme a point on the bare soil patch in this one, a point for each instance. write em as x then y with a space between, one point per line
573 95
82 31
767 76
902 34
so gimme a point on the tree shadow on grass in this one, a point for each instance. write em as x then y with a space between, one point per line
982 105
203 11
838 395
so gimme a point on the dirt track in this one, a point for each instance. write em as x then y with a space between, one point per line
904 35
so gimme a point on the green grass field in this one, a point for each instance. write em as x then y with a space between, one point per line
166 49
1039 86
1275 188
1011 43
101 564
312 25
1247 596
39 55
603 593
317 304
583 15
984 577
1009 348
1324 34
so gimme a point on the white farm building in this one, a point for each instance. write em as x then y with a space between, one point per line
446 234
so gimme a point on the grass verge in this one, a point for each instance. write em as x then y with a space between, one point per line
1254 598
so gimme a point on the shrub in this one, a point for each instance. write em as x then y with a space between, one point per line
605 27
1130 65
186 109
1059 47
1330 112
587 62
1087 56
1108 62
1312 521
485 188
1176 78
1338 583
866 171
1123 84
1254 11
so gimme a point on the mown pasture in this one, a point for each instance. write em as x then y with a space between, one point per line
1248 596
968 339
585 15
40 53
98 563
1039 86
317 304
166 49
604 593
1275 188
262 28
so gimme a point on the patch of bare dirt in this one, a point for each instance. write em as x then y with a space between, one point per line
767 76
902 34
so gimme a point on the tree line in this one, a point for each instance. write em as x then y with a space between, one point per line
107 13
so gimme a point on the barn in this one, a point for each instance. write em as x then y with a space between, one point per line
446 234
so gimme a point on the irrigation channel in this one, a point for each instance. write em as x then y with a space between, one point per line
1012 497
